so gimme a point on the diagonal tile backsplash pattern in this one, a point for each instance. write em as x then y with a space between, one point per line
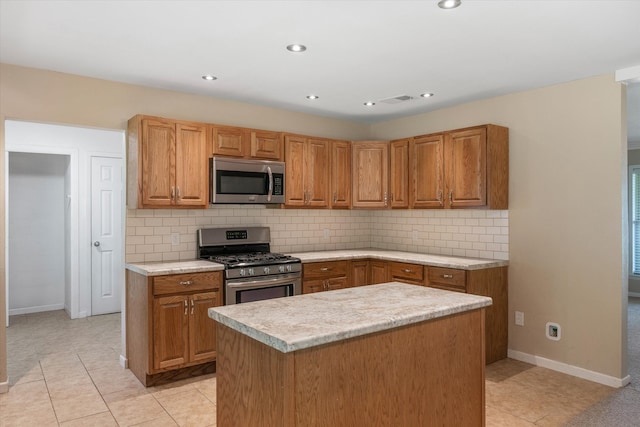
170 234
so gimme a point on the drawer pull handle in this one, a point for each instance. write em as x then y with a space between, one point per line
186 307
448 276
187 282
325 269
407 270
192 305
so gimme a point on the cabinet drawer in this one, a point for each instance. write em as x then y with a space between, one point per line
180 283
413 272
448 278
325 269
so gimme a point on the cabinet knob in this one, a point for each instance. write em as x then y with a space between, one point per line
407 270
325 269
447 276
386 202
187 283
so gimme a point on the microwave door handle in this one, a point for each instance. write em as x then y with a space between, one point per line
270 184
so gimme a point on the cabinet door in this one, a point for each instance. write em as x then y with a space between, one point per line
466 167
229 141
340 174
427 171
158 162
191 165
360 273
170 332
399 173
202 329
337 283
317 172
266 145
379 272
370 177
311 286
294 148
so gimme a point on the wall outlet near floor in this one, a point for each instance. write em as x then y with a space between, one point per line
175 239
553 331
519 318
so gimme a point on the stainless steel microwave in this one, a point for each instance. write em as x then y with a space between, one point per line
246 181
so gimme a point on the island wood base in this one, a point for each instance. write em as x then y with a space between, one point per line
425 374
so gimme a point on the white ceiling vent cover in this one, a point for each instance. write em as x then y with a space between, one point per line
397 99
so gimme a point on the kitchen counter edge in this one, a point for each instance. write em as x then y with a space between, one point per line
306 321
174 267
445 261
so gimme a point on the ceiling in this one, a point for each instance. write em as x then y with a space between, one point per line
357 51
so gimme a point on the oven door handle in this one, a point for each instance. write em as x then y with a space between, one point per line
262 283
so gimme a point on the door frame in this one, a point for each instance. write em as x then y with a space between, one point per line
80 143
74 229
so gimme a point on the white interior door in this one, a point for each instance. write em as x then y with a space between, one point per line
106 232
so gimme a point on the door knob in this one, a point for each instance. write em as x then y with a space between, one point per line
96 243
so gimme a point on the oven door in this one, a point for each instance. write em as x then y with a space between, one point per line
238 291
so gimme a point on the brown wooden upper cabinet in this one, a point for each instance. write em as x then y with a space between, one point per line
461 169
307 171
242 142
167 166
399 173
340 174
370 178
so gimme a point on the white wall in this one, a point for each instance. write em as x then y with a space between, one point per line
37 264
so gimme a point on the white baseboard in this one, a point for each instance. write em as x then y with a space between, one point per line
634 294
4 387
36 309
575 371
124 362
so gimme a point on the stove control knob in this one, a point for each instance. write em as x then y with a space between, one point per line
251 272
242 272
288 268
266 270
281 269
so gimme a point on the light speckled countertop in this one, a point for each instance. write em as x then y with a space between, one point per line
411 257
174 267
304 321
195 266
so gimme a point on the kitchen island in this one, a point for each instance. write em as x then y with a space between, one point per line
391 354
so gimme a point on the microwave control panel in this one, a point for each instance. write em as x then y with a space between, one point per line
278 184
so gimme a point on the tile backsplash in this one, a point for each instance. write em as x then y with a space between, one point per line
170 235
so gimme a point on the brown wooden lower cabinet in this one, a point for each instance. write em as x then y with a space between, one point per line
425 374
491 282
325 276
169 332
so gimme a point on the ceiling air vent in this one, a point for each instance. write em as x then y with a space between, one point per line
397 99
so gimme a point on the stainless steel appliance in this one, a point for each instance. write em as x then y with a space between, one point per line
246 181
252 272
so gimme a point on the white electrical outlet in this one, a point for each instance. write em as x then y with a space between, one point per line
175 239
553 331
519 318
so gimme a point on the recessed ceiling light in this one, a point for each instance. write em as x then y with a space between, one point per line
369 104
296 48
449 4
209 77
426 95
312 97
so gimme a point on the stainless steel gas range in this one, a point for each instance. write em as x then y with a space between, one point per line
252 272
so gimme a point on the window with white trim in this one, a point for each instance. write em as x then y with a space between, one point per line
635 219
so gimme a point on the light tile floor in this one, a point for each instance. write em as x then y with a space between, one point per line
65 372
